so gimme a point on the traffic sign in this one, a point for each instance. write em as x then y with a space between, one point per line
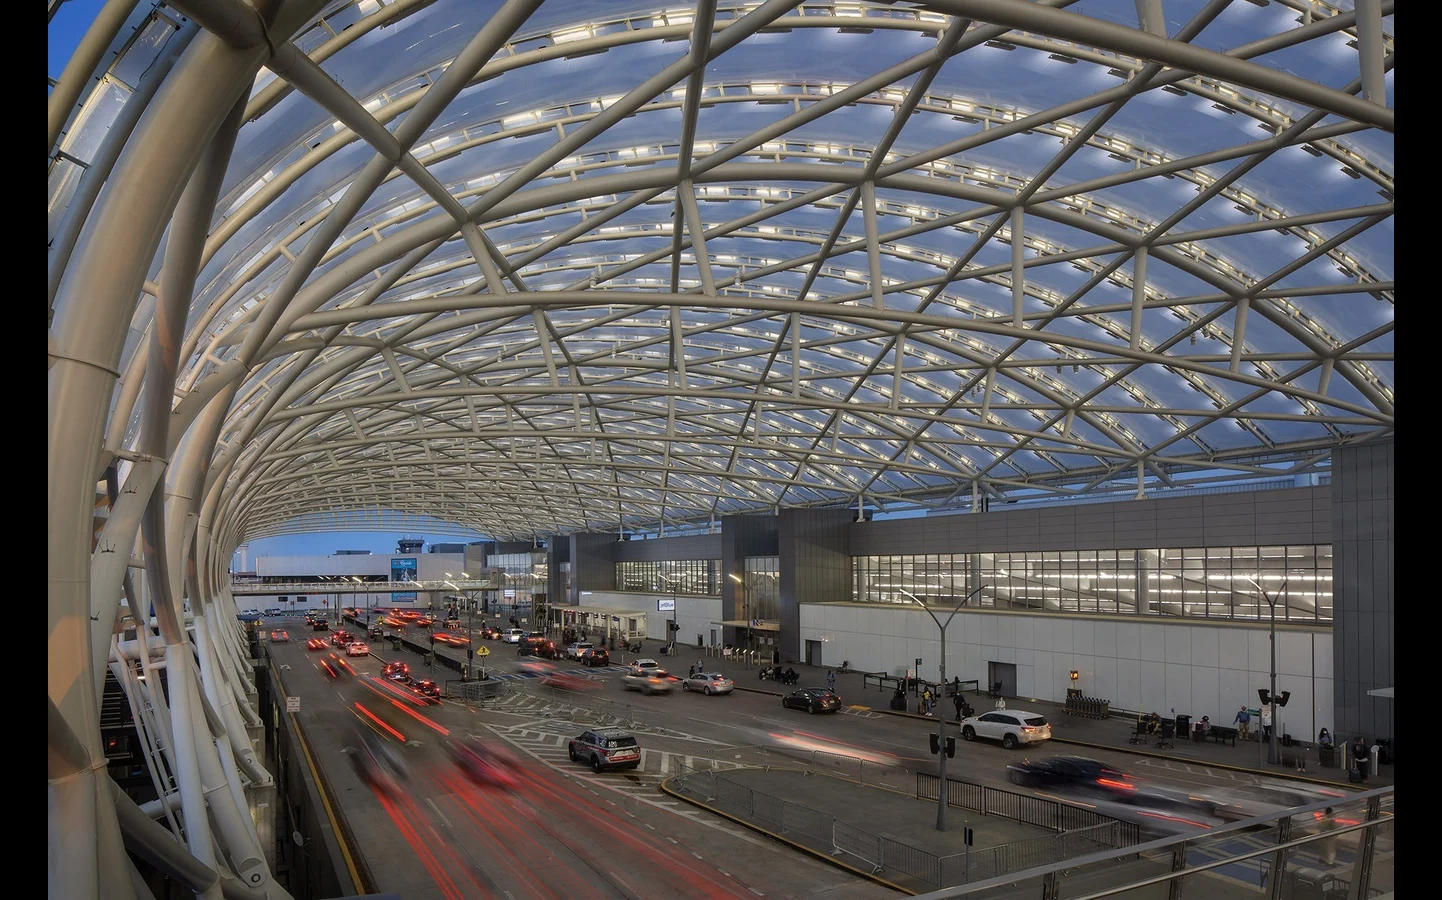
292 704
483 651
918 662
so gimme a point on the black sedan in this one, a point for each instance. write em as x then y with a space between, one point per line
1080 772
813 700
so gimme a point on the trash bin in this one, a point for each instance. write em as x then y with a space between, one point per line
1384 751
1184 725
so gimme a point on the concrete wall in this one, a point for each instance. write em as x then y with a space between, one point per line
1249 518
1204 669
694 615
1362 571
815 567
695 546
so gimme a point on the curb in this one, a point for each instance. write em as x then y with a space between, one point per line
1212 765
665 787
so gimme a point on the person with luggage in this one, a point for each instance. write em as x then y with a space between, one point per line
926 702
1360 758
898 700
1243 721
831 681
1267 723
957 699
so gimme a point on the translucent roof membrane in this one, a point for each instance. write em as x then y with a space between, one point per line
905 253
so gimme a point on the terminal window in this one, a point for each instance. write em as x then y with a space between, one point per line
1211 582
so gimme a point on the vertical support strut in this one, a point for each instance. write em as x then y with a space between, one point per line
873 243
1139 294
1369 51
1018 249
1239 332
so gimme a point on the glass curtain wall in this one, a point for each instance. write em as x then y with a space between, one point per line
692 577
523 575
761 589
1217 583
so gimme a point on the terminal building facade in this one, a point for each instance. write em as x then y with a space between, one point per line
1157 604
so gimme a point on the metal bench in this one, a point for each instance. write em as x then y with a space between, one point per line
1221 733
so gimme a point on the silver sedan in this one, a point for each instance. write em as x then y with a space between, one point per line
708 683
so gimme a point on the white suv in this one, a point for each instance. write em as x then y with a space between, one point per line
513 636
577 651
1010 726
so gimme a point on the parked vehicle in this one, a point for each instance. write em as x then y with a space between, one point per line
708 683
1010 726
605 748
575 651
813 700
641 666
597 657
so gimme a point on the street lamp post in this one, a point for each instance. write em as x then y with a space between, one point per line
1272 754
671 629
941 716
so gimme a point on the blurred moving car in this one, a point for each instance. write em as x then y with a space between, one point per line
484 764
427 688
647 682
708 683
537 646
513 636
1010 726
571 682
454 640
396 671
813 700
357 648
378 762
279 637
316 644
424 621
489 632
599 656
605 748
1076 772
249 615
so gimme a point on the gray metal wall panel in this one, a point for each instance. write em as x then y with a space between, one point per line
694 546
592 568
741 537
815 566
1363 627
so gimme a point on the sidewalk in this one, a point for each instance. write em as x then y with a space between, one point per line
1110 734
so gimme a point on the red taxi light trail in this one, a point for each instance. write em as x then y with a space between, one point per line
420 718
377 720
1109 782
391 689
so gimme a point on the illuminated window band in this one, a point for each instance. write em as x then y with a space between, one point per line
1209 583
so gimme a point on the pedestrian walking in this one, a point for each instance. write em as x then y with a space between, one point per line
956 685
926 701
956 698
1243 721
692 673
1267 723
831 681
1327 846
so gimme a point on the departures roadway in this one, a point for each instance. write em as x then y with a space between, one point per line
569 833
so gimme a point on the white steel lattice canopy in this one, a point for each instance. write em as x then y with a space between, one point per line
658 264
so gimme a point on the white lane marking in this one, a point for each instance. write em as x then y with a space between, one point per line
437 809
624 884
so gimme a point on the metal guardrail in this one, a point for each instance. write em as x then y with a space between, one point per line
823 831
1355 834
1029 810
482 692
